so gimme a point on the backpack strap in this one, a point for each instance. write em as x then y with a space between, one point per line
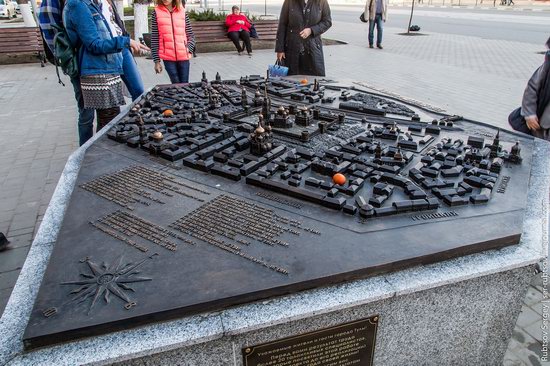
56 62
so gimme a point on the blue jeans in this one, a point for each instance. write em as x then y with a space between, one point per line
85 116
131 76
178 71
379 26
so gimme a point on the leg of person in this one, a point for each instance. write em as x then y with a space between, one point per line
245 36
104 116
131 76
172 70
379 30
85 116
183 71
371 32
305 64
234 36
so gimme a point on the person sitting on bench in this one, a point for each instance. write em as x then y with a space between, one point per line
238 27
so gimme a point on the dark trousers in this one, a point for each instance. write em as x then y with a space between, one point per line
178 71
104 116
237 36
305 65
379 23
85 115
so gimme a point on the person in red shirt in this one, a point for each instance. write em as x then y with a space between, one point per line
238 27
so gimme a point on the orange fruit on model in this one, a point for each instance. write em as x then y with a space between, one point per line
339 179
168 113
303 81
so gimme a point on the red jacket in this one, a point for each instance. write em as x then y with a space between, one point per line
172 36
233 26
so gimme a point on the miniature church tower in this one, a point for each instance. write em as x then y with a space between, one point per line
261 140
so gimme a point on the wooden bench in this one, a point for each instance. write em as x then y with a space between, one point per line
22 40
216 31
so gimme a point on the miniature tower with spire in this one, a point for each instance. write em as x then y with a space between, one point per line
495 147
315 85
266 107
244 98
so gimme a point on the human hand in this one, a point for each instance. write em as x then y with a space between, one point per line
532 122
305 33
137 47
240 21
280 56
158 67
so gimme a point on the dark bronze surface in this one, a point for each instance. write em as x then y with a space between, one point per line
345 344
215 225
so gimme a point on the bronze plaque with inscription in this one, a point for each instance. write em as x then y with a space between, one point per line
350 344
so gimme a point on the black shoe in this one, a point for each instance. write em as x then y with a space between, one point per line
380 46
3 242
250 54
371 46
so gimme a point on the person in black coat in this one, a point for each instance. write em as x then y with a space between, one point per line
299 45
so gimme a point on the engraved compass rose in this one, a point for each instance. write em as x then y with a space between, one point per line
107 280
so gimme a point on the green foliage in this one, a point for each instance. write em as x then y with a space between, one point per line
205 15
252 18
129 10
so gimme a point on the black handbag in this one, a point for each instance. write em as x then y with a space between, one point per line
362 18
517 122
253 31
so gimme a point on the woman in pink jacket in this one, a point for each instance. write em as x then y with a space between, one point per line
238 27
172 39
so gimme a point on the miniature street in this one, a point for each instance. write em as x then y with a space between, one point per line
480 78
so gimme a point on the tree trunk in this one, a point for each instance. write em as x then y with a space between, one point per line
141 20
411 18
120 9
26 12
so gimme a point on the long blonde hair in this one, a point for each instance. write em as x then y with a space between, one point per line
175 3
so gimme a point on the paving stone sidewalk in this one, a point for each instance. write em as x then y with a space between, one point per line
481 79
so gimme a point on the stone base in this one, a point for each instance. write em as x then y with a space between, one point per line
466 323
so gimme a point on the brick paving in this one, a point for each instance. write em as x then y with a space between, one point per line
478 78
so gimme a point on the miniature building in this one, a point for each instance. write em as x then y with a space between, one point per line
157 144
304 116
378 151
282 119
258 100
261 139
142 132
398 156
515 154
214 99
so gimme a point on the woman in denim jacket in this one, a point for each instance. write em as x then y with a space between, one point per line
99 43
